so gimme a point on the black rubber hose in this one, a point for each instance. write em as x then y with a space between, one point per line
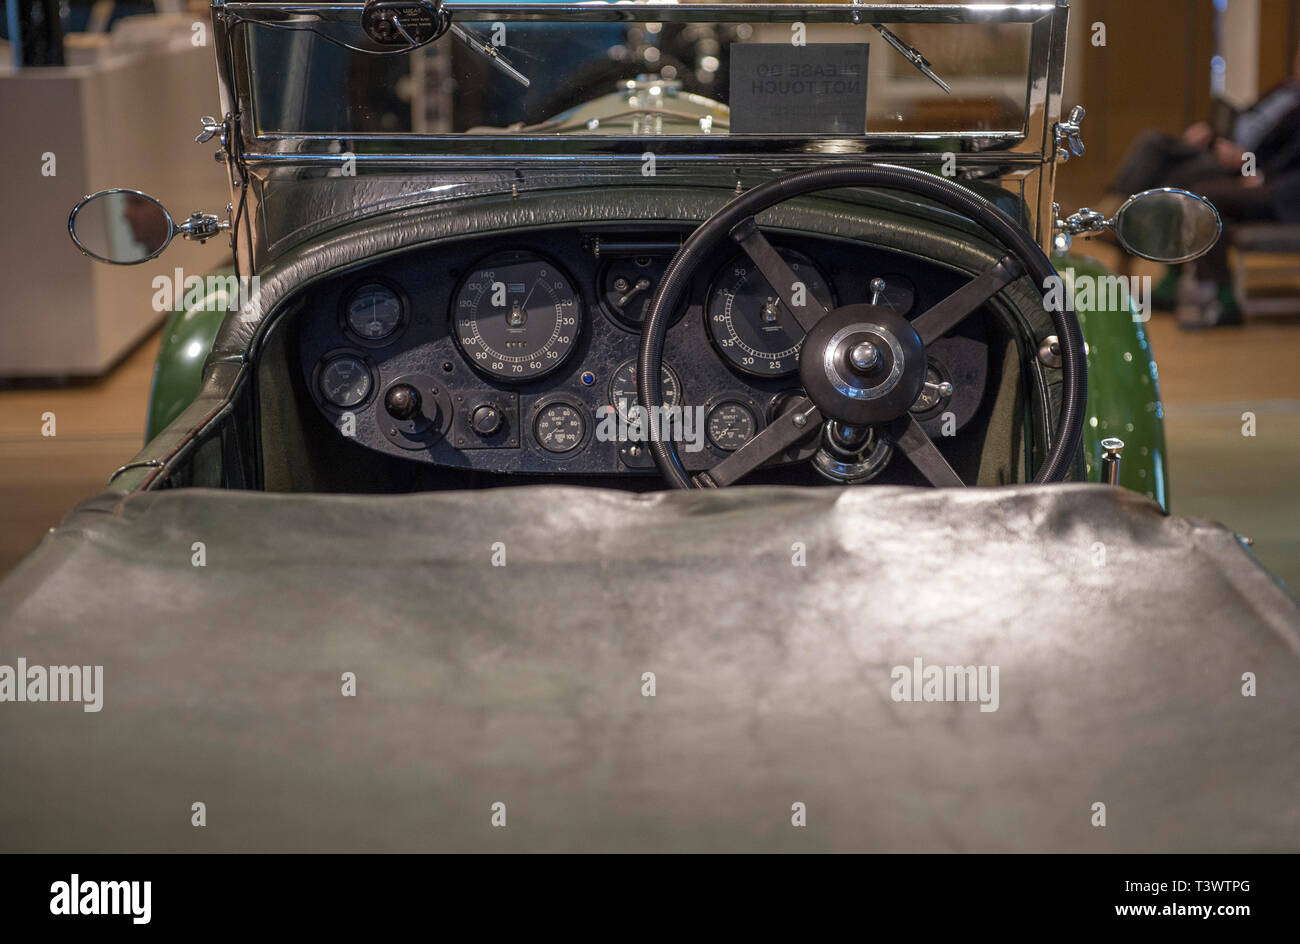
1005 230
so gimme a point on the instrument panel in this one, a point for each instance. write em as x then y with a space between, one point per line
518 355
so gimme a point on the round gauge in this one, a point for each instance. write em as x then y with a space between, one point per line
374 312
899 294
345 381
559 427
730 425
516 318
623 387
746 319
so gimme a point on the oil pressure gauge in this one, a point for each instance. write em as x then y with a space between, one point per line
560 426
731 424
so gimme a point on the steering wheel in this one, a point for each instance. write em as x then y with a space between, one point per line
862 366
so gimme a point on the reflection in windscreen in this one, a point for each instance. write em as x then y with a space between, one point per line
304 83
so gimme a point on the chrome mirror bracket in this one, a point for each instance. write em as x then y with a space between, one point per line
202 226
1084 222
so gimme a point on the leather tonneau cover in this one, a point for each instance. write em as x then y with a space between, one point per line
1121 638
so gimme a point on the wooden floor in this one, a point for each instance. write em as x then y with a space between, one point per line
1208 379
98 427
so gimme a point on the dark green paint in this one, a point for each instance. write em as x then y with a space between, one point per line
178 371
1123 391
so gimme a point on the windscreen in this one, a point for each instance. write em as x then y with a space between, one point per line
645 78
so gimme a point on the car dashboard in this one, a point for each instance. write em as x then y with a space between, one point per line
516 354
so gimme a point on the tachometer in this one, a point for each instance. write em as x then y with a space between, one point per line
516 318
746 319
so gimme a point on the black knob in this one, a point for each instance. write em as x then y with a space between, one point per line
402 401
486 419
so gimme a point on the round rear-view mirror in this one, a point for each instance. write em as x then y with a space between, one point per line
124 227
1167 225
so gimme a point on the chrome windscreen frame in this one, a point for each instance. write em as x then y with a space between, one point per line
1021 160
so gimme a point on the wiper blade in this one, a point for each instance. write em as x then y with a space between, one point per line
914 57
490 53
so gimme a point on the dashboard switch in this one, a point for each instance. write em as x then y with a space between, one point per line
402 401
486 419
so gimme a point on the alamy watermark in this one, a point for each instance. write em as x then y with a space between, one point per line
635 423
1070 292
919 682
83 683
204 293
77 897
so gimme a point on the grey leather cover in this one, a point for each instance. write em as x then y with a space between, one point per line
1121 637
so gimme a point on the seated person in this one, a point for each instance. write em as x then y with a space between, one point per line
1210 165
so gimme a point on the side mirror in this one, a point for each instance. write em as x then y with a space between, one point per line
1164 225
127 227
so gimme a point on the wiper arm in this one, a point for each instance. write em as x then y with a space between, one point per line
485 50
914 57
490 53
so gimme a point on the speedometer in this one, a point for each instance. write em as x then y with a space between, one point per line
516 317
748 321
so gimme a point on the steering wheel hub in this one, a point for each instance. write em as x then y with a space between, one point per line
862 364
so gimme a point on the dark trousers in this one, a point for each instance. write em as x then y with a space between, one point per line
1236 203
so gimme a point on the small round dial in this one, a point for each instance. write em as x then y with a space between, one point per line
374 312
559 427
345 381
516 318
748 322
730 425
623 387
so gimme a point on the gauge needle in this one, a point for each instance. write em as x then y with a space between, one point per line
524 305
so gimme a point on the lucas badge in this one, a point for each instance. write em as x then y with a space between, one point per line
778 88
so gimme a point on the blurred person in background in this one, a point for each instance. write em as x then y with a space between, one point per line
1215 166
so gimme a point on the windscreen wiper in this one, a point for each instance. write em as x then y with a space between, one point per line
914 57
490 53
419 22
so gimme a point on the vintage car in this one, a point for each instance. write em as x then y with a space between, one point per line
435 517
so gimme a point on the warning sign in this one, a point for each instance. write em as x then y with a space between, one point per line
777 88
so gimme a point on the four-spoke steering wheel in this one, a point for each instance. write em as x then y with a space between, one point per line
862 366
